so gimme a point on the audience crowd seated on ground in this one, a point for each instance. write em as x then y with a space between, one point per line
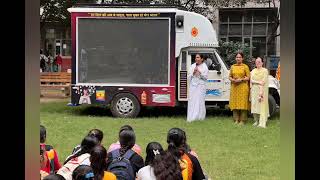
91 161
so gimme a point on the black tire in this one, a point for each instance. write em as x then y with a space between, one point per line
272 105
125 105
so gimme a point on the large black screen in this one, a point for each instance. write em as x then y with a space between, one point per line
130 51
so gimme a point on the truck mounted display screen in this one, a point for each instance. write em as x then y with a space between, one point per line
123 51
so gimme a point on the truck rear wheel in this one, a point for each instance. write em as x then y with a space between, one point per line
125 105
272 105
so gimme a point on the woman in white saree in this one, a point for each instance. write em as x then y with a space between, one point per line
198 74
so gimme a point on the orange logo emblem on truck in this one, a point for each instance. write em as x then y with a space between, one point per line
194 32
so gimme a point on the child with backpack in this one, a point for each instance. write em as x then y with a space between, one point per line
136 148
52 165
124 162
79 158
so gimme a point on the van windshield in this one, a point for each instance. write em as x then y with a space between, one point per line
226 64
210 58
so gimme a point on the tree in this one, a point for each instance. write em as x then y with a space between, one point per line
197 6
229 50
56 11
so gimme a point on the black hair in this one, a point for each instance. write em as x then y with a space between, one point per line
125 127
96 133
241 54
54 177
98 161
83 172
43 134
127 140
42 155
152 150
41 150
176 141
166 167
201 55
87 144
185 145
260 58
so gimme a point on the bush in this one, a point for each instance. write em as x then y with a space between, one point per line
228 51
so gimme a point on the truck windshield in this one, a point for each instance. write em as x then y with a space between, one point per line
226 64
210 58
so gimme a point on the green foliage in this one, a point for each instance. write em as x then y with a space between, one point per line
229 50
56 11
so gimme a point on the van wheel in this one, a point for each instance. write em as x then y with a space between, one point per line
125 105
272 105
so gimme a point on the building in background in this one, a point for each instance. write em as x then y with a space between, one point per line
253 26
257 24
55 38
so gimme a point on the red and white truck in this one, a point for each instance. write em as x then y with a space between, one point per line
133 56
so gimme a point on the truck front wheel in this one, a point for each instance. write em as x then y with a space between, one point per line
125 105
272 105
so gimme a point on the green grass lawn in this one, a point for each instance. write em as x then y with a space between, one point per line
225 150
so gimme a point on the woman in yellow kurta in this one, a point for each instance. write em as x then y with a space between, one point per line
239 92
259 94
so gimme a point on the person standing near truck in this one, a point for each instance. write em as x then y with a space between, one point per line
50 62
197 76
43 60
58 62
259 94
239 91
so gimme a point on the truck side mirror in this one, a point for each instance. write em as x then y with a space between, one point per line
217 67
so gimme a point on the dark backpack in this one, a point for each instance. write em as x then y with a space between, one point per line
121 165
